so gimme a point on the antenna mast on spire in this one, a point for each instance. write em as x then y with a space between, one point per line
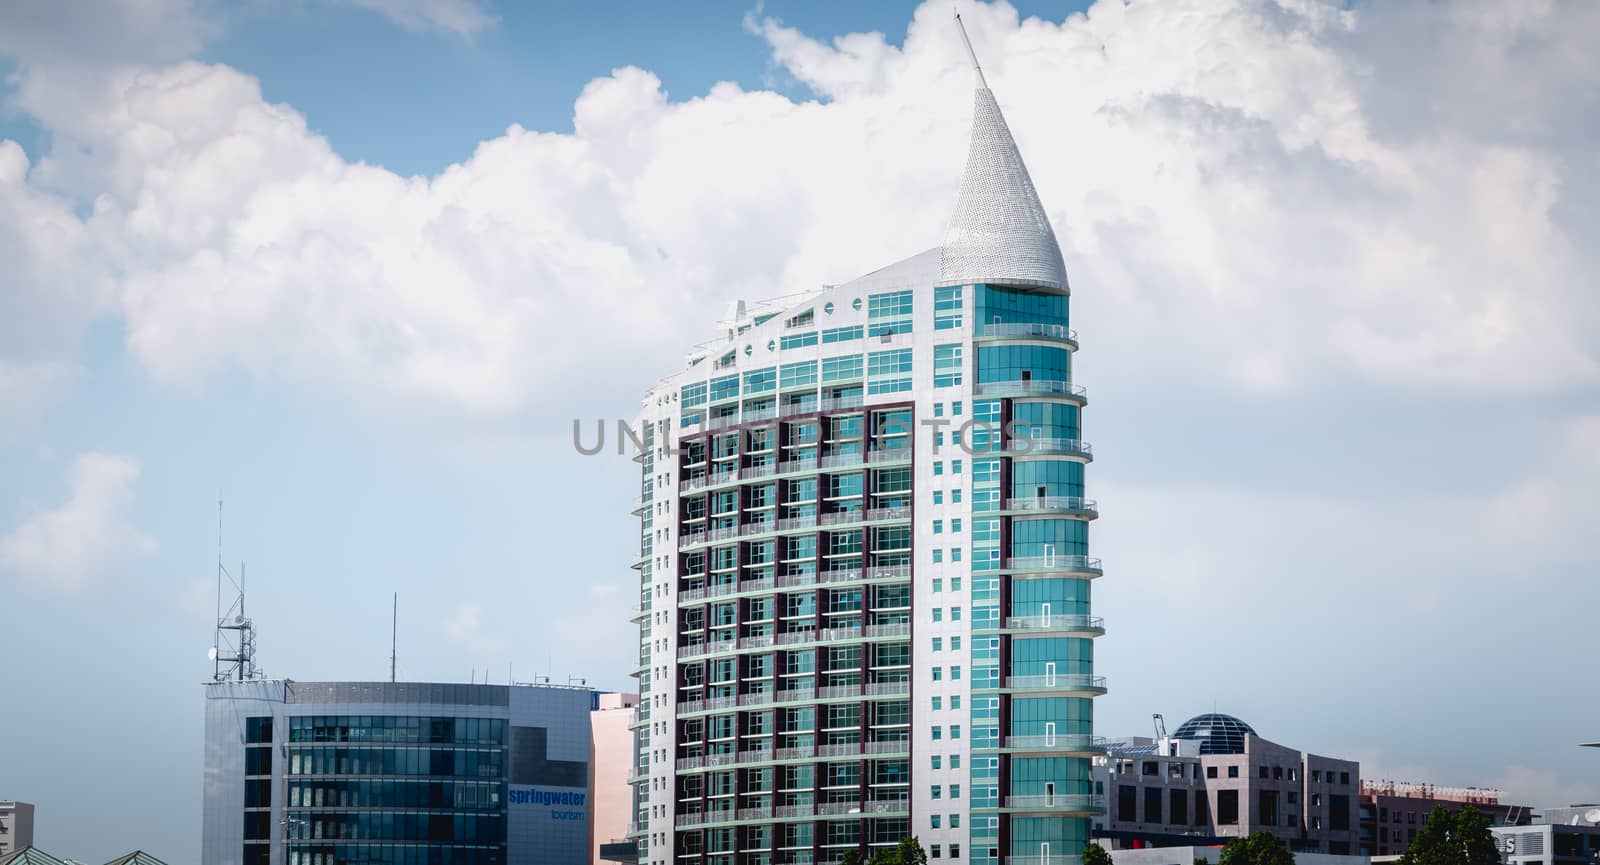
972 55
233 658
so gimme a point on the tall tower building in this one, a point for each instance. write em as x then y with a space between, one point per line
865 575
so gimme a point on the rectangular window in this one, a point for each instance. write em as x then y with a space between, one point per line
692 394
761 380
798 340
799 374
889 312
889 371
947 365
726 387
846 368
947 308
1228 807
841 334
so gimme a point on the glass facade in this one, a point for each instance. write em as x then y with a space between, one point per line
397 790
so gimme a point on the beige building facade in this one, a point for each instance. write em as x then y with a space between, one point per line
611 768
16 826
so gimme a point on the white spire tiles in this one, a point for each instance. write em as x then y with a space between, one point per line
1000 232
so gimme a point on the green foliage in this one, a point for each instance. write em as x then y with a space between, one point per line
1094 854
1261 848
908 852
1453 838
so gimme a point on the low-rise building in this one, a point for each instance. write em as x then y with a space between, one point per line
1548 844
613 763
16 826
1214 779
1392 812
1192 855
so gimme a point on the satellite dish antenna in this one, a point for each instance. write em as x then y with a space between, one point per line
1593 816
211 653
238 620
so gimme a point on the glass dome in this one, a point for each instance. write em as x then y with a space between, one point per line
1218 734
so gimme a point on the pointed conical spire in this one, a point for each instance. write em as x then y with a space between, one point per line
1000 232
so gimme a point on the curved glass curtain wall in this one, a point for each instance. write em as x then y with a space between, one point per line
1034 719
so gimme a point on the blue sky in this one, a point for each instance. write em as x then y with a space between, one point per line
1341 348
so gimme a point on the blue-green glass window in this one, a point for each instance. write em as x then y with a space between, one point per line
985 471
692 394
1069 655
798 340
841 334
889 371
846 368
798 374
1015 306
726 387
1049 537
1066 597
947 308
763 319
1071 715
690 418
947 365
1045 420
889 312
997 363
1054 477
1028 833
760 381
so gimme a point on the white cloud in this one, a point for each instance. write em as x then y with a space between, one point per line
1259 225
88 535
447 16
102 33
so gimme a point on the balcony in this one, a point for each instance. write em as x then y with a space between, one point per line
1071 505
1026 330
1074 684
1077 744
1051 447
1090 626
1075 565
639 504
1033 387
1060 804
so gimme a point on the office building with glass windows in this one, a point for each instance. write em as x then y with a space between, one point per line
865 573
383 773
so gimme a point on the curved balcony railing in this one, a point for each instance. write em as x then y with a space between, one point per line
1072 504
1071 803
1033 387
1026 330
1056 622
1054 564
1050 447
1076 743
1075 682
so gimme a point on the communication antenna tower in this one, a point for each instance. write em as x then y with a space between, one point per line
233 644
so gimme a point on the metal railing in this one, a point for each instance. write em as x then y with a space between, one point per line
1076 504
1054 622
1059 742
1059 682
1068 564
1083 803
1034 387
1070 447
1027 329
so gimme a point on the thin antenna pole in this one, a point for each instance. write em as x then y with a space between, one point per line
394 630
971 55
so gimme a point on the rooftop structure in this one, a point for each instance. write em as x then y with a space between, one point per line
1216 733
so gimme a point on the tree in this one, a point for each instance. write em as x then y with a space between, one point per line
1094 854
1453 838
908 852
1261 848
